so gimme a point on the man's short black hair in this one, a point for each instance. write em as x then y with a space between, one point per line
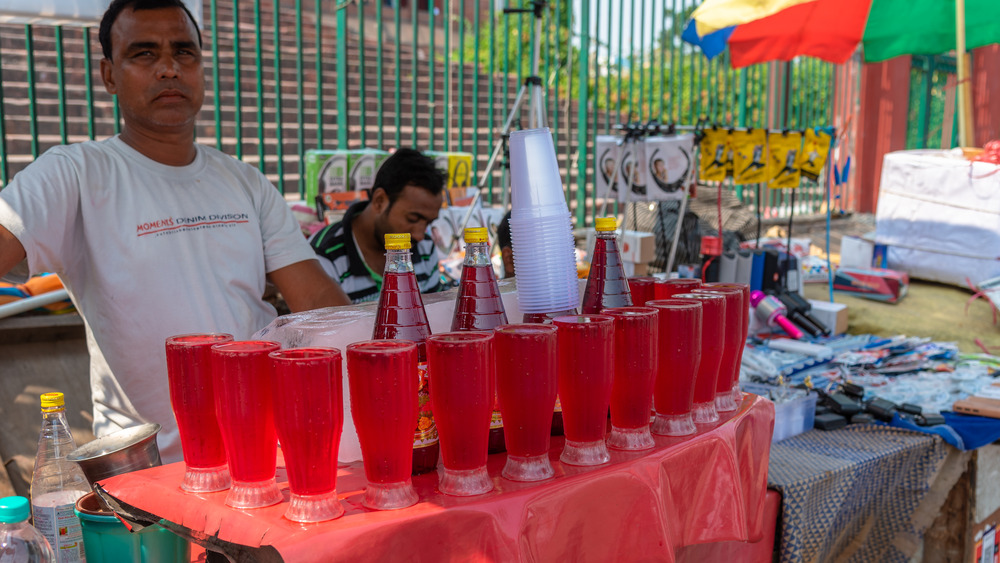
408 166
503 232
116 8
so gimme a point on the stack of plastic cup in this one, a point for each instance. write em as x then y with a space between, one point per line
540 226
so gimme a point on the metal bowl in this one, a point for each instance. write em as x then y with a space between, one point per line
126 450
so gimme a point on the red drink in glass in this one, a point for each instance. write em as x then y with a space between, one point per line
309 417
546 319
713 330
586 371
745 325
635 375
643 289
731 345
479 307
525 358
383 406
665 289
245 409
680 358
607 285
459 364
401 315
192 397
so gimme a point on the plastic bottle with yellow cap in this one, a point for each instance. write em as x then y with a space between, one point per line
56 483
479 306
401 315
607 284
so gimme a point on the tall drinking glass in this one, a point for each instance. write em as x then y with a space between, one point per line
665 289
384 406
679 341
462 382
525 356
713 330
309 417
192 397
643 289
586 372
731 345
245 408
745 325
635 375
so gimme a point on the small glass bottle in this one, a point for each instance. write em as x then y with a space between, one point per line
20 542
57 483
401 315
479 307
607 285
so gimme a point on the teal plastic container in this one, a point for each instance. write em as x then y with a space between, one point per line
107 540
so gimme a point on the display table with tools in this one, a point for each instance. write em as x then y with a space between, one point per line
709 487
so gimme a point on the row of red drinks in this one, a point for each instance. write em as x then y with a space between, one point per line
679 347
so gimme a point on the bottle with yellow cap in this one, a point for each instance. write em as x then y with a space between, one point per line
57 483
607 284
401 315
479 306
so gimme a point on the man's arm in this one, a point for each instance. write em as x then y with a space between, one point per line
11 251
305 286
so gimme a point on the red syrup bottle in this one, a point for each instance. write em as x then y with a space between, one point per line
479 307
401 316
607 285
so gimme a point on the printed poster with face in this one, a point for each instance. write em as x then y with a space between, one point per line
815 150
715 155
670 166
607 158
632 172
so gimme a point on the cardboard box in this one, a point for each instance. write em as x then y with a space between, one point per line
862 253
637 247
341 177
326 171
832 315
882 285
457 166
364 164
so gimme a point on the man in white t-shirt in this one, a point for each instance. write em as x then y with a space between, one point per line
152 234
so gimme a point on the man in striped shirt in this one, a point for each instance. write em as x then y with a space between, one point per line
406 198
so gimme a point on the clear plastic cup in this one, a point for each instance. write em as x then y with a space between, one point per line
679 344
586 371
462 384
635 375
525 357
192 398
245 409
309 417
536 186
384 406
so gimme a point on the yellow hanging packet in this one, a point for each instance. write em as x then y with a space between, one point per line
749 156
714 155
783 149
815 150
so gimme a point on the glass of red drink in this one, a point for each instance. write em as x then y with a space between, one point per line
309 417
635 374
459 365
525 356
643 289
679 344
245 409
713 331
192 397
745 326
586 370
731 345
384 406
665 289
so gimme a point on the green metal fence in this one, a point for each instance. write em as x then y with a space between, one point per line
288 76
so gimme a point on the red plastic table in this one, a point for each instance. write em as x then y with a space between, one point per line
704 488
